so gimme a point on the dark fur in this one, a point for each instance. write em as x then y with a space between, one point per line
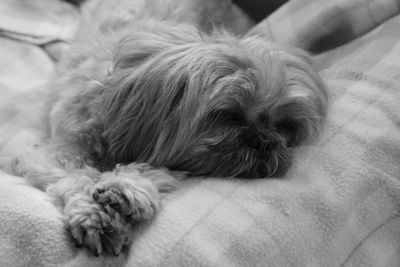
158 104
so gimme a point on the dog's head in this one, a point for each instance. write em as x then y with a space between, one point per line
210 104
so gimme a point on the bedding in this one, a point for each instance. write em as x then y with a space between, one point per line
339 205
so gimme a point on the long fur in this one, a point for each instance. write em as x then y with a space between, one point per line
161 89
169 91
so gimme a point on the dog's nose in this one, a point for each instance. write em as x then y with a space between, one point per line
257 140
271 144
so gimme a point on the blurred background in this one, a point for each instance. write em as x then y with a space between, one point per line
259 9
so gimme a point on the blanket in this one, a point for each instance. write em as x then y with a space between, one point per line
339 204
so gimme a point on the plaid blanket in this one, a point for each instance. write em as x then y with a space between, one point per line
339 205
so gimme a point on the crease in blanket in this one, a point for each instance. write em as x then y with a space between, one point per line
368 236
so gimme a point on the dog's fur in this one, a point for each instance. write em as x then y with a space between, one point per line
148 82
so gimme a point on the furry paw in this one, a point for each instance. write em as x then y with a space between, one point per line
102 219
134 200
100 228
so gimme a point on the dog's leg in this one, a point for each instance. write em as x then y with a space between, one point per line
92 224
99 208
101 212
41 163
70 189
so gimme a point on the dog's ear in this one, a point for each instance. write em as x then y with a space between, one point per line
300 114
300 104
305 87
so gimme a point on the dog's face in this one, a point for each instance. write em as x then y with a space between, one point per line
211 105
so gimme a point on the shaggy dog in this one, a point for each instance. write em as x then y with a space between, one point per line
150 83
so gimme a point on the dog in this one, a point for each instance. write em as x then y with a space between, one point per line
149 94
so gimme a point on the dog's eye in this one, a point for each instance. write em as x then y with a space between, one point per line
228 118
289 129
233 119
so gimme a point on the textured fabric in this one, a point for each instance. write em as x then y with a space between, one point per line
38 21
339 205
49 23
321 25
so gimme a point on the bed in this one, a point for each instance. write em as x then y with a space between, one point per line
339 204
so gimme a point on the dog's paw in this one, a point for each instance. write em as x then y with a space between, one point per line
102 219
133 199
97 227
